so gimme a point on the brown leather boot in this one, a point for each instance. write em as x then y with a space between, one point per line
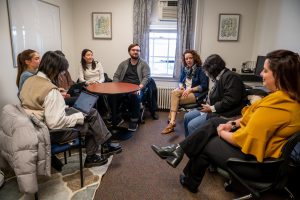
169 128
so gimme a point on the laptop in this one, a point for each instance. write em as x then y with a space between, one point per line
75 89
84 103
258 68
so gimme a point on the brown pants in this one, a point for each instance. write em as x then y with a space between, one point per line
177 99
94 130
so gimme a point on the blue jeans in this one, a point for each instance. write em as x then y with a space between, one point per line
193 120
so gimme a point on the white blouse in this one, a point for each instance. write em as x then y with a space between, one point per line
54 113
92 75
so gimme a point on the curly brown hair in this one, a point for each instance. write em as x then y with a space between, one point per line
196 57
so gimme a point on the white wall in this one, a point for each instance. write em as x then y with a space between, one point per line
265 25
278 26
233 52
109 52
8 88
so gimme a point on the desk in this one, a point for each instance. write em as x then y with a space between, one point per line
113 89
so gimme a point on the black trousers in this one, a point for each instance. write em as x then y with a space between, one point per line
94 130
203 148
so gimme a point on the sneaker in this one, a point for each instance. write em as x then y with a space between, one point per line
95 160
108 149
56 163
132 126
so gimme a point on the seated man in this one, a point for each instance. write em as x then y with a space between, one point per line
133 70
39 96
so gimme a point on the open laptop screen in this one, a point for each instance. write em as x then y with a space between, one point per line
259 65
85 102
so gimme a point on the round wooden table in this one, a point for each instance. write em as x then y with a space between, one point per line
113 89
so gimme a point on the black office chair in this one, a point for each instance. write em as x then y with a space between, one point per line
273 173
149 99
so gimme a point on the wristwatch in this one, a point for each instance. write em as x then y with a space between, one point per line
233 126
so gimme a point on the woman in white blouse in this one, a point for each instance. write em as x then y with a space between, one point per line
91 71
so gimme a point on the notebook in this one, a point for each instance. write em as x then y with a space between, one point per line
84 103
75 89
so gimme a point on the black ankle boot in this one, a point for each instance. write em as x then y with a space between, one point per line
173 154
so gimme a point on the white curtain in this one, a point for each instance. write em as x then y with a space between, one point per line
184 32
141 22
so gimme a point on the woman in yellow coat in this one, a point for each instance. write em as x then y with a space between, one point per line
260 133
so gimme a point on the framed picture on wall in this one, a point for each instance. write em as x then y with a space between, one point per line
102 25
229 27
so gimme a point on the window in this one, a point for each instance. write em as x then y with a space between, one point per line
162 47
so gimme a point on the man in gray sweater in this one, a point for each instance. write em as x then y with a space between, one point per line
133 70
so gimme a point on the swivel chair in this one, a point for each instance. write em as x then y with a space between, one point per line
272 174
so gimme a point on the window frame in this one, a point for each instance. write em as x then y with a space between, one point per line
163 29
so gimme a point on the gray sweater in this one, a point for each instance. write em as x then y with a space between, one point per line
143 71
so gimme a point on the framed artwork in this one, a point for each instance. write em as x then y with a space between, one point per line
102 25
229 27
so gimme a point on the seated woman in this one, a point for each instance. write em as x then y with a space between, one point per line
226 98
64 82
260 133
39 96
192 82
91 72
28 62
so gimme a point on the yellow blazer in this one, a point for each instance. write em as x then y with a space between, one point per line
267 124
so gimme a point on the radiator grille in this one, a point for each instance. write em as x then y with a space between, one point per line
164 97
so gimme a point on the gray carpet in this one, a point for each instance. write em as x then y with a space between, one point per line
138 173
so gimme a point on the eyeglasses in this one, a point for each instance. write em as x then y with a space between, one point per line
137 50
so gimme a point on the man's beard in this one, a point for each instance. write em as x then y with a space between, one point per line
134 57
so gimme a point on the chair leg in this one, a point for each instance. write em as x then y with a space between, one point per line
253 192
80 161
36 196
65 156
70 154
249 196
291 196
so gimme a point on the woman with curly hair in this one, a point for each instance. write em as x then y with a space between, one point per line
192 82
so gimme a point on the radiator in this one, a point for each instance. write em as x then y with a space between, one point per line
164 97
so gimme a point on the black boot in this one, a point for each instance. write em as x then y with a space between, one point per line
109 148
173 154
186 183
95 160
154 116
